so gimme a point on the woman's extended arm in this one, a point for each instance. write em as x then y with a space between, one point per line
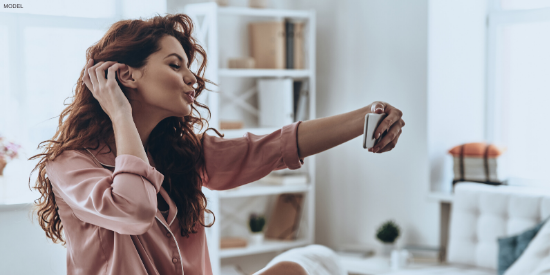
318 135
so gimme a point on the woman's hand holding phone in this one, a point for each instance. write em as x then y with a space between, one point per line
106 89
389 130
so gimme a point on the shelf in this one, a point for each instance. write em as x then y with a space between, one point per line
249 191
240 132
264 73
441 197
267 246
244 11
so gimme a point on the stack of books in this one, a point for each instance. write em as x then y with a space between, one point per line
478 162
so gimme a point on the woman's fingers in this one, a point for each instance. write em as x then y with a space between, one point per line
111 73
394 115
390 137
86 77
392 144
93 78
100 72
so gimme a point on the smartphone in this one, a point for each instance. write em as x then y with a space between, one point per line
372 121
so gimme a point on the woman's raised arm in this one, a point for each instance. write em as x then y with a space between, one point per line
318 135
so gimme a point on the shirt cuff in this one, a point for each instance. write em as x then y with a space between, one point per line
289 146
131 164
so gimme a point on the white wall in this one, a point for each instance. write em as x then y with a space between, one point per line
24 248
456 81
366 51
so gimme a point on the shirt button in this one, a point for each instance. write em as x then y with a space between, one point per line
174 260
168 235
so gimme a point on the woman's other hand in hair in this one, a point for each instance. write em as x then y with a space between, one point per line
106 89
389 128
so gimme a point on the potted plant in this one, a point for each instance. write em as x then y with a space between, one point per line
257 223
387 233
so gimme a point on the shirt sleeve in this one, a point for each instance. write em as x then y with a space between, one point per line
124 200
232 162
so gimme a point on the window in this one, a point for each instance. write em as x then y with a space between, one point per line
519 85
42 52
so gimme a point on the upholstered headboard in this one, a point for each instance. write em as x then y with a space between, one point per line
481 213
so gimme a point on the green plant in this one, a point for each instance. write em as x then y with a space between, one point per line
256 223
388 232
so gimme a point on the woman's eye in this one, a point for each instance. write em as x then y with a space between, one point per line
174 65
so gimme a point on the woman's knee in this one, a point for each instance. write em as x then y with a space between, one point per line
287 268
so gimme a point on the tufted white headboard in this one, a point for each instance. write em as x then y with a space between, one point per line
481 213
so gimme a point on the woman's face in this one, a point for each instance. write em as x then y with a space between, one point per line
163 82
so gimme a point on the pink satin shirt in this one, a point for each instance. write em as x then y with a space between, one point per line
108 205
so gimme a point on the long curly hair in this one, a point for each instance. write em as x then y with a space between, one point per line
175 148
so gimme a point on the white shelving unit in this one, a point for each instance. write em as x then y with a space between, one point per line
210 32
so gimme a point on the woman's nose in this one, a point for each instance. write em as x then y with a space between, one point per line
190 79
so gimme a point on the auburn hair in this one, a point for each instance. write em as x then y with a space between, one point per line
175 148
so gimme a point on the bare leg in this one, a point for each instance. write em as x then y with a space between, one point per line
286 268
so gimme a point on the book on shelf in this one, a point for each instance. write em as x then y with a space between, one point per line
277 44
232 242
292 179
298 51
294 35
267 44
301 106
423 254
289 44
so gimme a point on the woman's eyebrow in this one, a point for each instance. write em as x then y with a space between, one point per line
176 55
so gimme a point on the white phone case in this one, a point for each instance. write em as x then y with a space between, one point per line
372 121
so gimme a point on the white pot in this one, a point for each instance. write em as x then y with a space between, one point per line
387 249
257 238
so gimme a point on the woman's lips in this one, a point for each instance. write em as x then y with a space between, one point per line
190 97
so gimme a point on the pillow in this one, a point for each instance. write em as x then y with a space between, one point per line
511 248
535 260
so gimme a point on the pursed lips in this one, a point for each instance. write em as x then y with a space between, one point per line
191 93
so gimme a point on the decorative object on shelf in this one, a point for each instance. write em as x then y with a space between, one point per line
267 44
230 125
232 242
258 4
284 222
399 258
8 151
222 3
256 223
477 162
278 44
387 233
275 102
242 63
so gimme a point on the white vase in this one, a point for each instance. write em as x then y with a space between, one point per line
387 249
257 238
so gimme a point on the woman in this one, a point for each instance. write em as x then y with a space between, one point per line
125 168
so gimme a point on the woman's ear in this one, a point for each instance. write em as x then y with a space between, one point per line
125 76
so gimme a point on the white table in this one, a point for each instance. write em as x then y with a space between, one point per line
374 265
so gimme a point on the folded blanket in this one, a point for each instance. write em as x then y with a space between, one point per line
315 259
